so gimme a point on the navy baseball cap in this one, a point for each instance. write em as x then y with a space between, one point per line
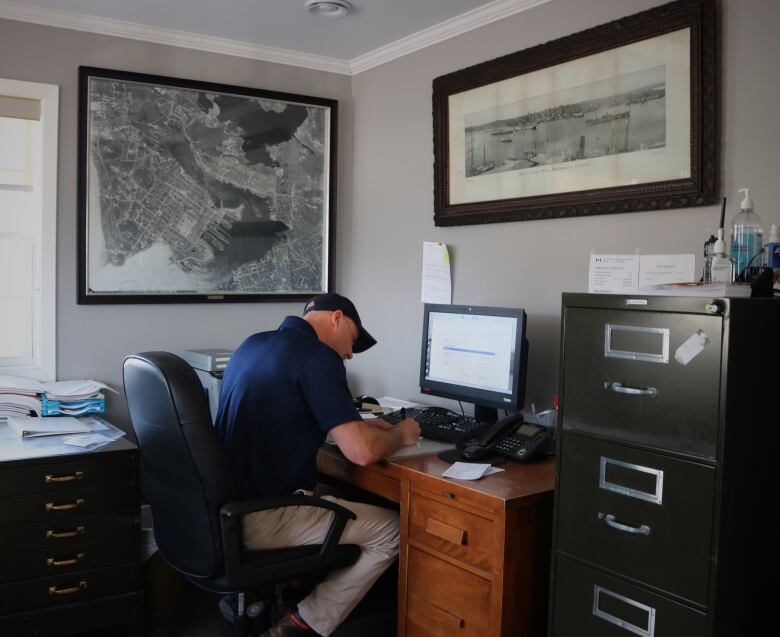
331 302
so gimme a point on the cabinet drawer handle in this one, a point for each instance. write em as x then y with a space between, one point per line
445 531
598 591
50 561
619 388
441 616
53 590
611 521
58 535
77 475
50 506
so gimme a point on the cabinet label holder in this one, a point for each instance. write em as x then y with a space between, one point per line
656 497
662 356
621 623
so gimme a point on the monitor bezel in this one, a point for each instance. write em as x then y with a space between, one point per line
480 397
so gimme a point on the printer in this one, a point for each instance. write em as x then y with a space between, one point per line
209 365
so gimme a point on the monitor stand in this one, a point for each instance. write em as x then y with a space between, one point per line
488 415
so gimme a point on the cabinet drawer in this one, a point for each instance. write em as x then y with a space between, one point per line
64 533
641 514
52 477
444 600
598 605
55 506
463 536
621 378
57 590
20 566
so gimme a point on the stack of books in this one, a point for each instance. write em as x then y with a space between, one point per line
28 397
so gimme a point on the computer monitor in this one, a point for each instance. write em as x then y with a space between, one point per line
475 354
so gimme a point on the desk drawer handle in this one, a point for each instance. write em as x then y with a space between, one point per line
50 506
619 388
77 475
446 532
58 535
441 616
50 561
611 521
53 590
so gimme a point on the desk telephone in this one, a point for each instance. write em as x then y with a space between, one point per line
511 438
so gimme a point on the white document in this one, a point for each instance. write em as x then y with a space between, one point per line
423 447
388 403
662 269
613 273
436 280
466 471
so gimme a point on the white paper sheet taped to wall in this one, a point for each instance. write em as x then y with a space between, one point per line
691 348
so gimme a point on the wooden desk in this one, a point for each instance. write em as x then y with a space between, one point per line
475 556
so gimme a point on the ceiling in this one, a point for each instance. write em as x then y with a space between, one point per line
373 32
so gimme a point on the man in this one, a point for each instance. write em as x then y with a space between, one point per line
282 393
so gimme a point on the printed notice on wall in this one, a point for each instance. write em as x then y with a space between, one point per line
613 273
436 281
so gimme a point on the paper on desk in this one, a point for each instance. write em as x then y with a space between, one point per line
466 471
662 269
436 281
391 404
613 273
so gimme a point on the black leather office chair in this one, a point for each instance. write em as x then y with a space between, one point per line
197 517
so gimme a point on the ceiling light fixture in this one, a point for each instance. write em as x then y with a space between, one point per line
328 8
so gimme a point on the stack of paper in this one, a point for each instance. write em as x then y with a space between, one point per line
29 427
25 396
469 471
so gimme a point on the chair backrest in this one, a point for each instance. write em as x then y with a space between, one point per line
185 470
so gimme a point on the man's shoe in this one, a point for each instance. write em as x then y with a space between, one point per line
290 626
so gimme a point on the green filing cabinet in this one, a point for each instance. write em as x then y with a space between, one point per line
663 473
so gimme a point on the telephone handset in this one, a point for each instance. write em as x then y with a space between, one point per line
511 437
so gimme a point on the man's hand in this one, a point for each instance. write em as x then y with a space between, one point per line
410 431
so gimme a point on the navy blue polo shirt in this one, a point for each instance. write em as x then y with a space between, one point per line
281 394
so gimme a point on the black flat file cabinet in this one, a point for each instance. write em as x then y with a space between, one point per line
69 537
664 479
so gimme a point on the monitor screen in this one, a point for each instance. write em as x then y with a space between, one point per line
476 354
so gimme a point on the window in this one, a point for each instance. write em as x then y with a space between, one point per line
28 211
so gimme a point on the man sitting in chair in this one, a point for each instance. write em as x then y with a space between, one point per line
282 393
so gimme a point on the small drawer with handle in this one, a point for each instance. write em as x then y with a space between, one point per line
599 605
53 506
644 515
464 536
444 600
646 377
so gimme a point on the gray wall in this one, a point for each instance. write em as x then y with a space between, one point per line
93 340
385 202
526 263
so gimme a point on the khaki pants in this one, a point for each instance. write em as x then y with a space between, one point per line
375 531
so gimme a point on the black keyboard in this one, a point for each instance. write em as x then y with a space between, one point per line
439 423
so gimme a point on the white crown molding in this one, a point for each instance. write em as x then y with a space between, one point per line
463 23
171 37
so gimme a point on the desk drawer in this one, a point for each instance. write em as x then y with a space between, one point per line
31 564
641 514
463 536
59 534
621 378
444 600
598 605
54 477
56 506
57 590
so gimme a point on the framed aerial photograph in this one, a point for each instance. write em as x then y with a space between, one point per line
199 192
619 118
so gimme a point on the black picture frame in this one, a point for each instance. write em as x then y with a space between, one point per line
568 91
198 192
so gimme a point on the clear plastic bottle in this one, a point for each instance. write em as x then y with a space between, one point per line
719 267
747 234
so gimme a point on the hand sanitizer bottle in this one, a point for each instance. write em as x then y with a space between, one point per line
720 266
773 249
747 233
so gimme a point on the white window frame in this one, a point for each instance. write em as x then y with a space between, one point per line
45 328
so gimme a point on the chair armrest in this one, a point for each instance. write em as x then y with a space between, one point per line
231 515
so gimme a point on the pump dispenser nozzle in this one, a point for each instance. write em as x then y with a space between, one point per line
747 202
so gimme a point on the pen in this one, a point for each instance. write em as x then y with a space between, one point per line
403 413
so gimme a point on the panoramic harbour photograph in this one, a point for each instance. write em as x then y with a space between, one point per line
623 114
